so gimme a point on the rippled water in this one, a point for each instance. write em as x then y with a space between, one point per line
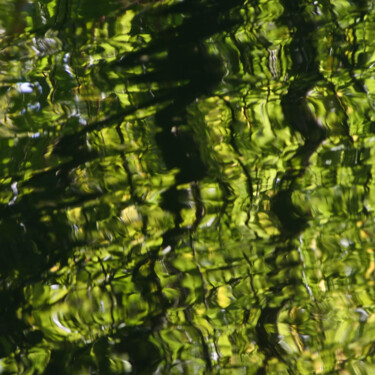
187 187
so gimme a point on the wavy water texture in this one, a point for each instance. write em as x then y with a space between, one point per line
186 187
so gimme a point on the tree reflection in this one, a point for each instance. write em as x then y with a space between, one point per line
186 187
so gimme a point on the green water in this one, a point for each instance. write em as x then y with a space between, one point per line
186 187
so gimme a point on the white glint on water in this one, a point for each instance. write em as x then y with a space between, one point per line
55 319
25 87
166 250
345 242
15 193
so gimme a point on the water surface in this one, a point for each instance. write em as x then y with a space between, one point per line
187 187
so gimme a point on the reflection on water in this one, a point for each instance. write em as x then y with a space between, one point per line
186 187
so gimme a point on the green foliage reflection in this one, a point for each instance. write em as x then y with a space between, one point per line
186 187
